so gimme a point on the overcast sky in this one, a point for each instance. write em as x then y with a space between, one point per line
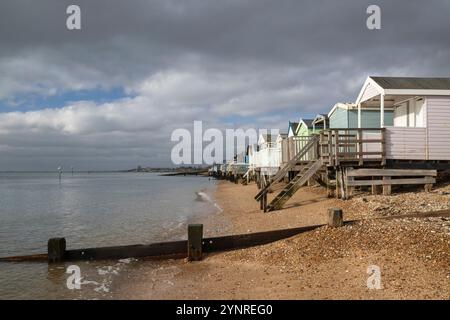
110 95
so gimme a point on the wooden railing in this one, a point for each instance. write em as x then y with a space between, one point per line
352 145
312 143
292 146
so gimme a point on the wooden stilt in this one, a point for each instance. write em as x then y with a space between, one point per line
341 184
386 187
345 179
336 190
375 188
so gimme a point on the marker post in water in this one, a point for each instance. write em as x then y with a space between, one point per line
60 172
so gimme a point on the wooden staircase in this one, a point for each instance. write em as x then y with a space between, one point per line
288 166
306 173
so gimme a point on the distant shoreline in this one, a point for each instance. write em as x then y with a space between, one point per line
169 171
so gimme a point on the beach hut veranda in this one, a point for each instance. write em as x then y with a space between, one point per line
420 126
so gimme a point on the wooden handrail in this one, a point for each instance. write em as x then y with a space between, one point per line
289 165
342 144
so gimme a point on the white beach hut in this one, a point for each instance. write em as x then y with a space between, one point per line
421 120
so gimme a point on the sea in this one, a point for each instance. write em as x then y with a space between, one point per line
89 210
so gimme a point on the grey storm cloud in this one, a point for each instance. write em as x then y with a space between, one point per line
228 63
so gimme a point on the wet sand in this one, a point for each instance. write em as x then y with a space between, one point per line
413 256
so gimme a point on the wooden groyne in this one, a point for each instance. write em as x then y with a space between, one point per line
196 245
201 172
164 250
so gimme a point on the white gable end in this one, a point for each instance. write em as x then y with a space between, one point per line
369 90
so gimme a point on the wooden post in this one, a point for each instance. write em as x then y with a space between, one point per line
375 188
56 249
320 146
195 239
386 187
335 217
265 202
351 189
359 115
336 193
330 148
345 182
428 187
336 147
341 183
383 146
360 147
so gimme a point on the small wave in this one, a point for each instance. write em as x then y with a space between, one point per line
202 196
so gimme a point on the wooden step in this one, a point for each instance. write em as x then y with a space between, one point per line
292 187
289 165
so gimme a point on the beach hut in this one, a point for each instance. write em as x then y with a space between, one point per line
304 132
406 145
266 140
304 128
345 115
420 129
292 129
268 155
320 123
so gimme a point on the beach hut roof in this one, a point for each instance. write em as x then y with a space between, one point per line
412 83
293 125
306 122
292 128
341 105
374 86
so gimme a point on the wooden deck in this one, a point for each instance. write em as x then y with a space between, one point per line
364 147
341 160
352 147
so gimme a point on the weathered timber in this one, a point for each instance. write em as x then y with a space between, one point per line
174 249
41 257
390 172
426 180
375 187
345 146
387 188
289 190
335 217
195 238
56 249
312 143
177 249
252 239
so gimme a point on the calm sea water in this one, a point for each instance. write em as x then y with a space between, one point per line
89 210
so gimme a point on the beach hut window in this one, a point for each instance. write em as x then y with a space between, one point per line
419 114
400 115
409 114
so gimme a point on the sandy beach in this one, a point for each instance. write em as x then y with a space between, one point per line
413 254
